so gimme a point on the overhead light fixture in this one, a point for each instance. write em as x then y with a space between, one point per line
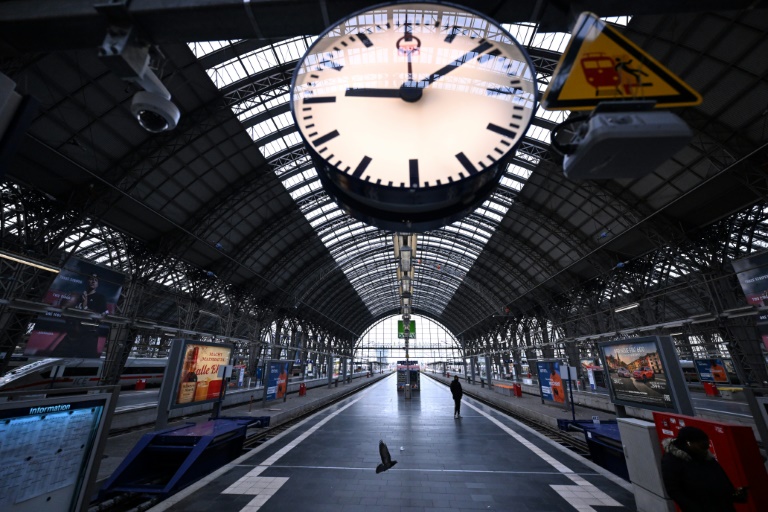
675 334
405 258
405 284
32 263
627 307
90 324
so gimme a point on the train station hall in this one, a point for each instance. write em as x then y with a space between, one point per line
541 284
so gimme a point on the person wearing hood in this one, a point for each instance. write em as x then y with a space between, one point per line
692 476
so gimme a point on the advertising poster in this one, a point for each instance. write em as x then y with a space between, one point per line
277 379
712 370
83 286
550 381
762 327
411 330
752 272
636 373
198 379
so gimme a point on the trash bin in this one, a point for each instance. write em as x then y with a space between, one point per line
517 390
302 389
140 384
710 389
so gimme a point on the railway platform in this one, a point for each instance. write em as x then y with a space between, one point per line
484 460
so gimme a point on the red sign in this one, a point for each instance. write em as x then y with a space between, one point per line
734 447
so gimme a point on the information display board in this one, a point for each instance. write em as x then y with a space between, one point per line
550 381
49 450
712 370
644 372
196 378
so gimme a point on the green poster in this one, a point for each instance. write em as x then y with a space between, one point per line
411 328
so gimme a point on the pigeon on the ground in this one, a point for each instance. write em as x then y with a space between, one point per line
386 458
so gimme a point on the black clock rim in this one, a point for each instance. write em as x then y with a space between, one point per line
391 219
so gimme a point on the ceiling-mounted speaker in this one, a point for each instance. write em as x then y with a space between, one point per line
620 145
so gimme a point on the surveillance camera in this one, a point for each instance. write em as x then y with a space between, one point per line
154 113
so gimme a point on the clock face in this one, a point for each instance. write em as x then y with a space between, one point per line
410 111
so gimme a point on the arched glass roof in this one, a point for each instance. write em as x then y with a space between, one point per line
254 78
433 342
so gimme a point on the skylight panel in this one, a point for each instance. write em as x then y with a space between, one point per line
203 48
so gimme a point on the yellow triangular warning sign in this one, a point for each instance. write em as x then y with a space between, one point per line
600 64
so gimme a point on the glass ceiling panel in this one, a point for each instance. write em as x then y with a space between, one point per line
347 239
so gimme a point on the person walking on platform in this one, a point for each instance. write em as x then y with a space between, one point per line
457 392
692 476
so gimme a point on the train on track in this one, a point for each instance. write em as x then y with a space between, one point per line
80 372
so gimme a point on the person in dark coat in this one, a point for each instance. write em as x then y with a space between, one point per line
457 393
692 476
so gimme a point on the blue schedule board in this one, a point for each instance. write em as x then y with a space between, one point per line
277 380
712 370
550 382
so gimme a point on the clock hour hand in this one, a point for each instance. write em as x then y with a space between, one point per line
404 92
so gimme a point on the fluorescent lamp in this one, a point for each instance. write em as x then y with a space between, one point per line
627 307
31 263
90 324
675 334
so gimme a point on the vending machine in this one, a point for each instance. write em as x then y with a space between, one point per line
734 447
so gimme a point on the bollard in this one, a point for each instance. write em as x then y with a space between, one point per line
336 383
250 404
482 383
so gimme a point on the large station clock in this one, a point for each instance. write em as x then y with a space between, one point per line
411 110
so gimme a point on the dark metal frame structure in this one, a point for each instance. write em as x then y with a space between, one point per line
220 242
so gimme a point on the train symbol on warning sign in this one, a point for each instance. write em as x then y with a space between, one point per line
613 75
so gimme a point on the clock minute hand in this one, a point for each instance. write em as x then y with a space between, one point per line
456 63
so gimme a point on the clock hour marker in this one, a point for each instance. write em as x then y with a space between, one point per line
413 170
320 99
450 37
325 138
360 169
331 64
501 130
487 56
504 90
471 169
365 40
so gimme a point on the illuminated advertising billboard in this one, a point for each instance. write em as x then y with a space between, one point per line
712 370
550 381
411 329
85 287
637 373
752 272
277 379
197 379
762 328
